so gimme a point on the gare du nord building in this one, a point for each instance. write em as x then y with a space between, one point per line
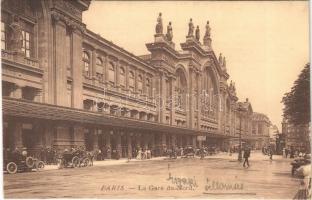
65 86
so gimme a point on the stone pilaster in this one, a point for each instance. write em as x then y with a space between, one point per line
119 149
17 133
95 139
173 141
191 98
59 33
108 145
163 143
79 138
162 98
199 88
172 98
129 145
194 141
77 69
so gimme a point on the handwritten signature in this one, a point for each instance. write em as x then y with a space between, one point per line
182 182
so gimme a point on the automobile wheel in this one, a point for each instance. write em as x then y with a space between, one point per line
75 161
40 165
30 162
11 168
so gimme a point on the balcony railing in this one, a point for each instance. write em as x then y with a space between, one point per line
19 58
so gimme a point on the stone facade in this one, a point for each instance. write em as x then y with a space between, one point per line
67 86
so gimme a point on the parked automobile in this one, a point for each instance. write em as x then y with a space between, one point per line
188 152
19 162
74 158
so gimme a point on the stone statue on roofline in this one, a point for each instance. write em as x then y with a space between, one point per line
159 25
191 28
208 29
220 59
197 33
169 34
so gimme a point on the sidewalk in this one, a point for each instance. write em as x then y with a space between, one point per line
220 155
109 162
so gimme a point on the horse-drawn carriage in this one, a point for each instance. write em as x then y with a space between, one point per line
16 161
74 158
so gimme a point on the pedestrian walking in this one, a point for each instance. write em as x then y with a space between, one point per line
246 156
271 153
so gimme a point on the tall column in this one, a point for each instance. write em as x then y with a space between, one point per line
173 141
79 139
129 145
108 145
163 143
172 98
95 139
194 141
77 69
153 141
59 33
191 102
199 88
48 135
162 98
17 133
146 138
119 149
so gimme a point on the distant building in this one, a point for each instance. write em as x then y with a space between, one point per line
296 136
260 130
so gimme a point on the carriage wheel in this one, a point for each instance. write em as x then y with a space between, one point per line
75 161
86 162
40 165
30 162
11 168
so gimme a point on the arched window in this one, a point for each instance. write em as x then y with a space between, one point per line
86 63
122 78
140 84
99 69
209 98
148 87
111 73
180 90
131 81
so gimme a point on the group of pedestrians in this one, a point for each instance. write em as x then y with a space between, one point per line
143 154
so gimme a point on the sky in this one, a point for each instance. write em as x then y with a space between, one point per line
266 44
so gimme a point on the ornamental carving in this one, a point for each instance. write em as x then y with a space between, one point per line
70 23
68 8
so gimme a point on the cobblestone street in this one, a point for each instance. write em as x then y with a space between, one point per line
219 176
